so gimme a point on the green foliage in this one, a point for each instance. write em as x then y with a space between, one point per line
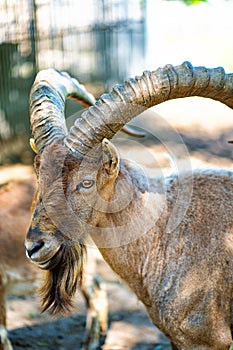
190 2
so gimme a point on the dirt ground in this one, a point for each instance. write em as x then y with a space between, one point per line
205 129
129 325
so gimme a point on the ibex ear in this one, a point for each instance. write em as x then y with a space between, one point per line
110 157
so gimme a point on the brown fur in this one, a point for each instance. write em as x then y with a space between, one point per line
183 275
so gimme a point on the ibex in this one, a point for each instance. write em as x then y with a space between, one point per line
183 272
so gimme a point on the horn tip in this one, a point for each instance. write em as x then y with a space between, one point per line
33 145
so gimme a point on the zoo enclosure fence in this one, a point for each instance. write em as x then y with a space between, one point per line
99 45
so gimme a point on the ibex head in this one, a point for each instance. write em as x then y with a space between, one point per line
82 183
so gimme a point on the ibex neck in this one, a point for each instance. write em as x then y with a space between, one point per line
133 209
135 244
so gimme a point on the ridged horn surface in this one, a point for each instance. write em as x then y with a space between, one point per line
112 111
47 103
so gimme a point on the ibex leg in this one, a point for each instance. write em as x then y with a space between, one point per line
95 295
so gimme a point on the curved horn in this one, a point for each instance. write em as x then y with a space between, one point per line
47 103
126 101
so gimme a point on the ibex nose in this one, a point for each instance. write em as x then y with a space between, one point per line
33 242
33 247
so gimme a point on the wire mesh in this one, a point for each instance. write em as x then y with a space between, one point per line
100 43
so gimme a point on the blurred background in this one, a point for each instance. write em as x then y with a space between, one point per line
100 42
103 42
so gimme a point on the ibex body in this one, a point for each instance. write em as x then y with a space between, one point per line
171 240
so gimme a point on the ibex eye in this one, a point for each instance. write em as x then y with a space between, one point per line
87 183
